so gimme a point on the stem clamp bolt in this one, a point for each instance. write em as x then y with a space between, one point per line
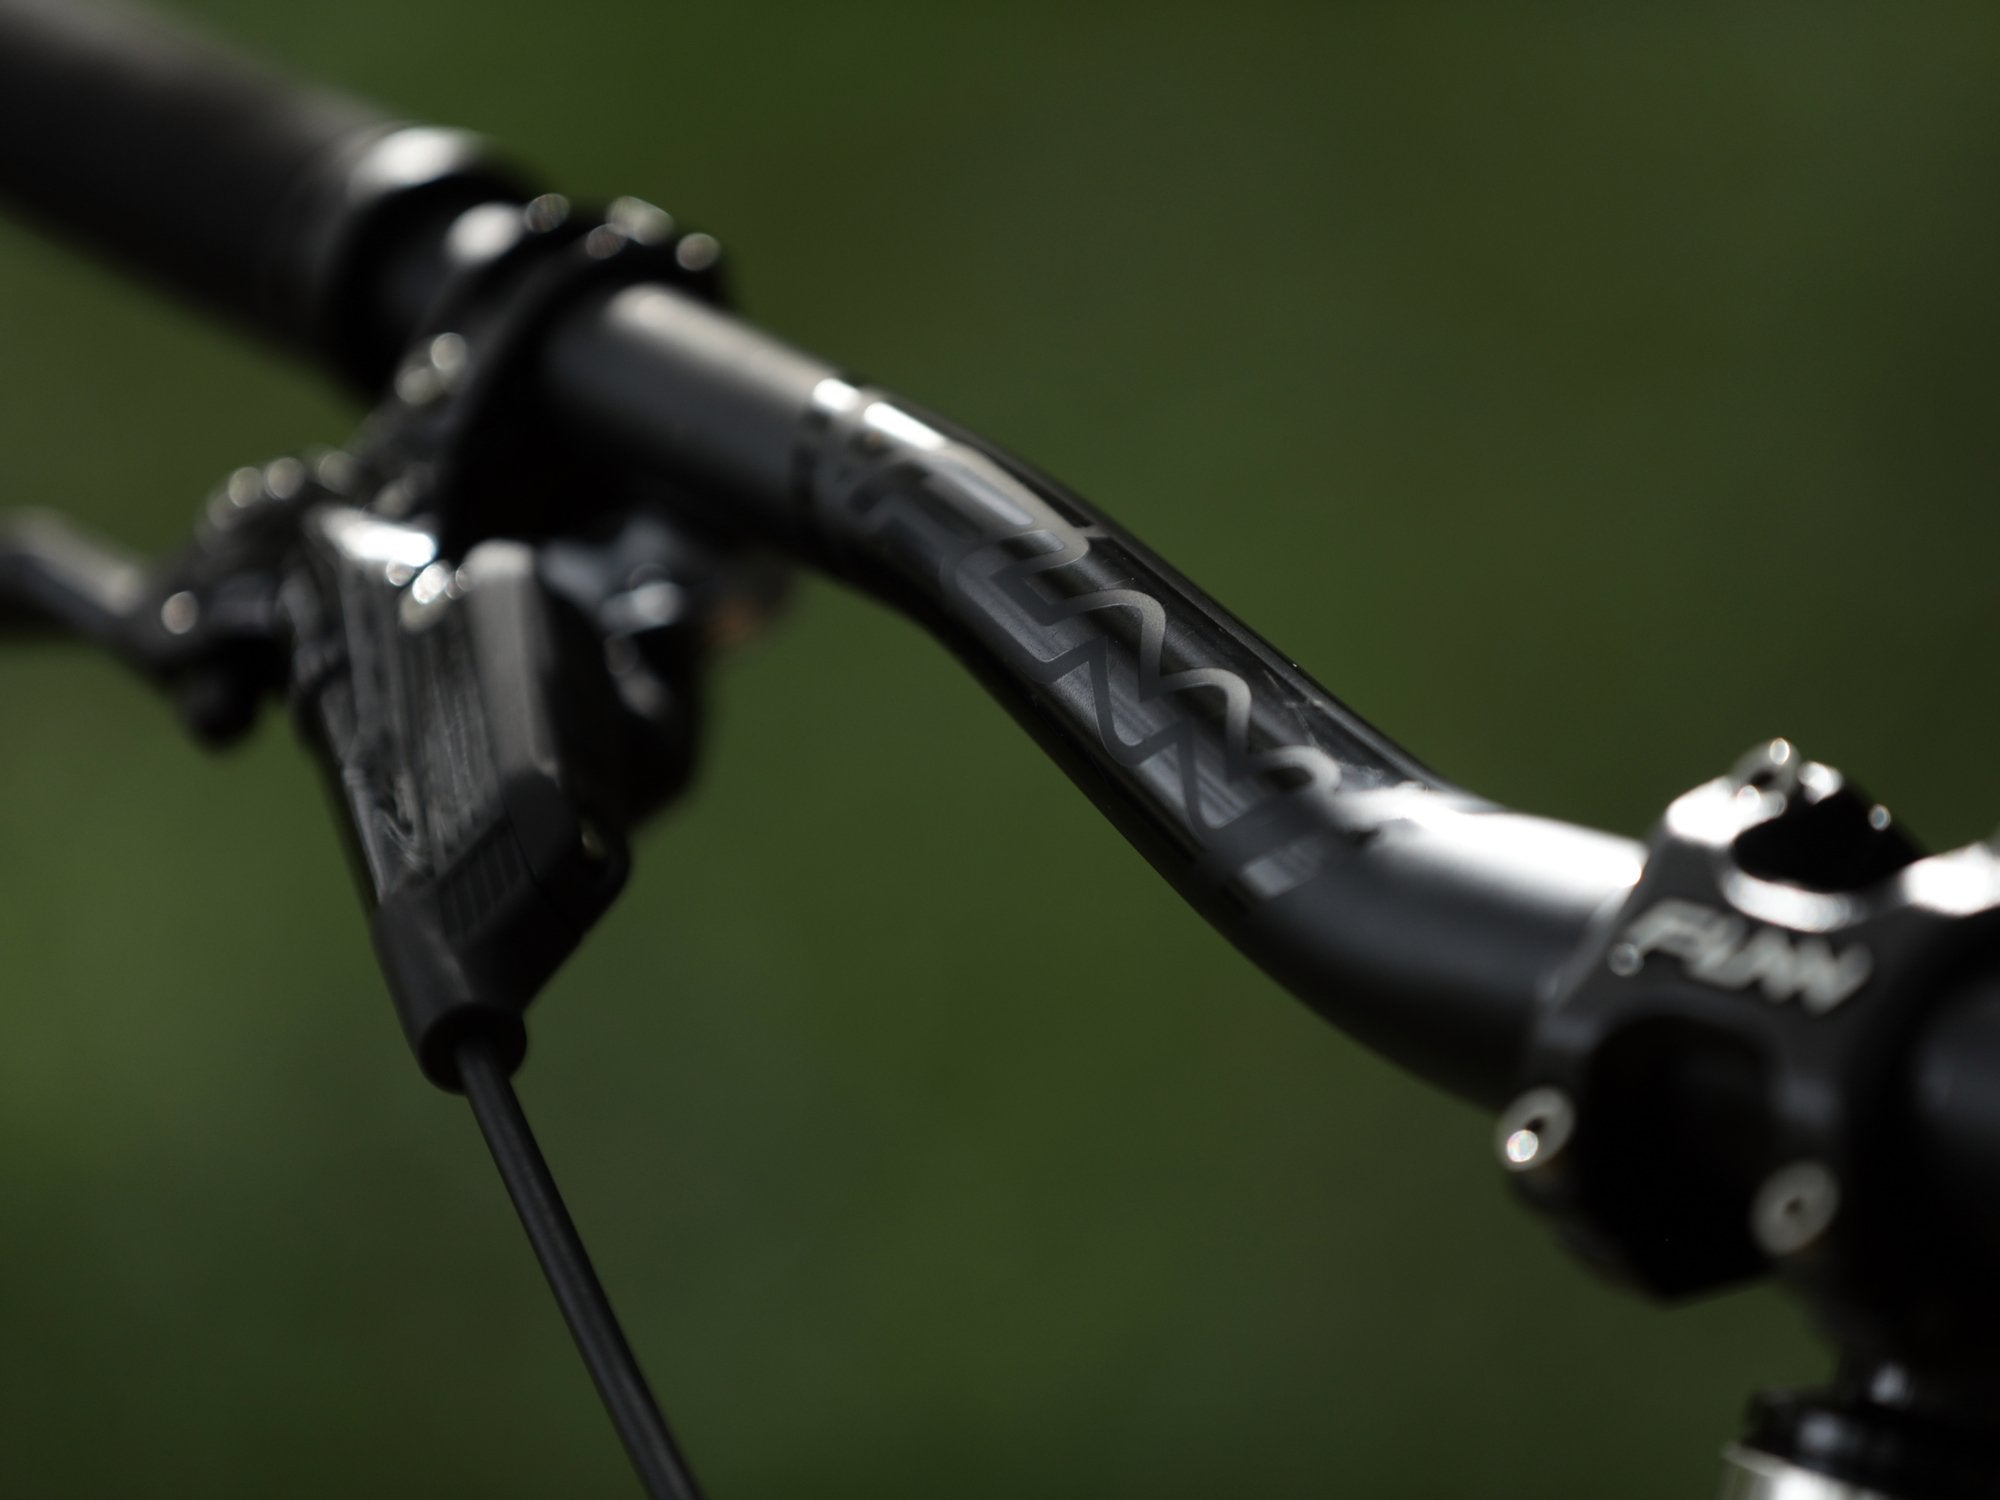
1534 1129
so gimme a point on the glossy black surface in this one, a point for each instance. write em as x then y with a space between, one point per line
1734 1064
1422 919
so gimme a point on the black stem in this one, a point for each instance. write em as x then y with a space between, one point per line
578 1292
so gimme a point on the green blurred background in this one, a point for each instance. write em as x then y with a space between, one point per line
1582 392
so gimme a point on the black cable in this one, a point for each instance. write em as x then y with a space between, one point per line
578 1292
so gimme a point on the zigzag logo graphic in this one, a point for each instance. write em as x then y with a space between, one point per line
951 519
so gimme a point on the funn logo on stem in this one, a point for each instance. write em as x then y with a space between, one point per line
1732 953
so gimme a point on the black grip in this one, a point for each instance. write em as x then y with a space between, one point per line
164 152
306 215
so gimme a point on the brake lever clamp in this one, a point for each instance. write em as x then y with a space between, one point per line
495 642
492 727
500 651
1723 1087
462 425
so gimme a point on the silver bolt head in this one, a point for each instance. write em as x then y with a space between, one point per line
426 599
1795 1208
1533 1131
417 384
180 613
640 220
698 252
284 478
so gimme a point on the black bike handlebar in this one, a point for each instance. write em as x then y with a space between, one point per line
1423 921
1426 922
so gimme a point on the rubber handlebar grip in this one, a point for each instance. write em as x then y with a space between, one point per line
169 155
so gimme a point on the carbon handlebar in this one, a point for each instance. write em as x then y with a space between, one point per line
1427 922
1423 920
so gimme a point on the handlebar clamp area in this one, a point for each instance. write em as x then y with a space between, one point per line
1725 1085
494 642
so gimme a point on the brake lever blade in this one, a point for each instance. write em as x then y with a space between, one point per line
54 576
456 713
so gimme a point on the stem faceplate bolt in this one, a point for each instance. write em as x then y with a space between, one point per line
1794 1208
1534 1129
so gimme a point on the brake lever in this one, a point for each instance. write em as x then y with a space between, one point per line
496 692
491 742
55 577
493 715
200 625
491 727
